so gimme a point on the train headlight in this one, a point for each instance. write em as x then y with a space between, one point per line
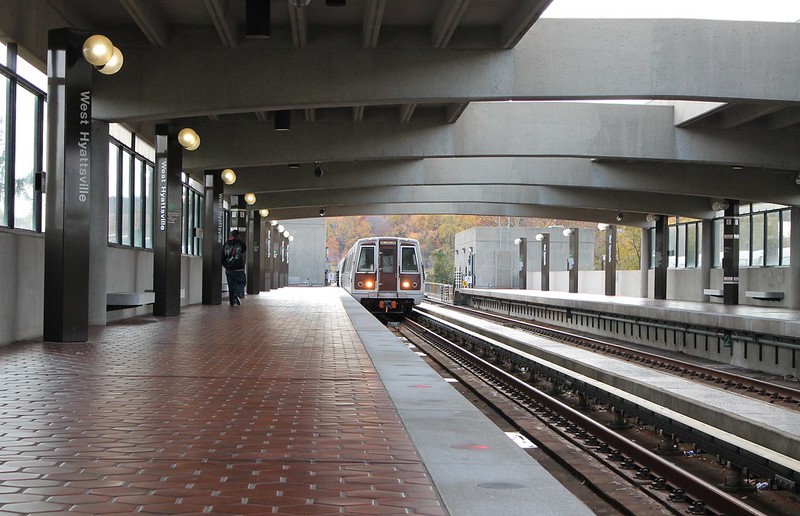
369 284
406 284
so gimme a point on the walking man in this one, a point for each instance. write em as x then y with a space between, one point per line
233 259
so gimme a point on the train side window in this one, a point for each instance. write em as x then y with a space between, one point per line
366 260
409 260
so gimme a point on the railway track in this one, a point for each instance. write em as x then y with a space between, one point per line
654 475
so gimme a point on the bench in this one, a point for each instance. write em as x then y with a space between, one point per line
713 292
120 300
764 296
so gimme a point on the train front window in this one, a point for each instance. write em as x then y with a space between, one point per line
387 261
366 260
409 260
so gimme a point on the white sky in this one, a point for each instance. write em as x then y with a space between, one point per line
751 10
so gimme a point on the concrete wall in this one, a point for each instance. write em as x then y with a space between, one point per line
496 256
22 282
307 251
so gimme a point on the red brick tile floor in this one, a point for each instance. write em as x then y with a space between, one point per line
271 407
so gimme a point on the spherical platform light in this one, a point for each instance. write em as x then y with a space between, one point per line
250 198
188 138
264 212
98 50
286 233
113 65
228 176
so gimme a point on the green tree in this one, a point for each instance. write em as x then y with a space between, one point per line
443 268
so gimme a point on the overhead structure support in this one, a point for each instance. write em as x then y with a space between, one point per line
661 259
69 166
167 230
730 253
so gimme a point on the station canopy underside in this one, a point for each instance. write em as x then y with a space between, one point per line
455 106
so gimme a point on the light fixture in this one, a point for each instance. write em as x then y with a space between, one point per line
257 18
98 49
299 3
273 223
100 52
291 238
602 226
264 212
322 212
737 167
567 232
719 205
294 165
283 120
318 170
188 139
113 65
517 241
539 237
336 3
281 228
228 176
619 216
286 233
250 198
652 217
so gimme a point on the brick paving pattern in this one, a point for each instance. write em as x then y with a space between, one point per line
272 407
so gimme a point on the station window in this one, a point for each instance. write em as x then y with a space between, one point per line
130 189
192 217
764 232
22 129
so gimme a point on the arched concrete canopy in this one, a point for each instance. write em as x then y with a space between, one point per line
384 81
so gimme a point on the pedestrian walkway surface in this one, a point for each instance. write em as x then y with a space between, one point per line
269 407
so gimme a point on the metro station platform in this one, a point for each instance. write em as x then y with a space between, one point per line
757 319
296 402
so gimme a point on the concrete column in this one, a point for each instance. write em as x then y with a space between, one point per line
661 259
707 249
794 264
167 231
523 262
266 254
644 264
253 252
213 237
69 165
730 254
98 225
572 260
545 266
611 260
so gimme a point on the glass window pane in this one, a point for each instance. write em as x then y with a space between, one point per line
127 200
113 200
184 219
31 74
3 157
757 242
719 248
671 245
773 250
190 222
786 234
148 213
121 134
138 203
3 55
744 241
691 245
25 158
366 260
409 260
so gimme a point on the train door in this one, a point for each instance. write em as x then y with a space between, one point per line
388 266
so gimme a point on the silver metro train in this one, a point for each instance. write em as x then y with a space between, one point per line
384 274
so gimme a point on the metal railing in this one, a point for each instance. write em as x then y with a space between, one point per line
439 291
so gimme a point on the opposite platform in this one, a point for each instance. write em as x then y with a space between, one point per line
272 407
